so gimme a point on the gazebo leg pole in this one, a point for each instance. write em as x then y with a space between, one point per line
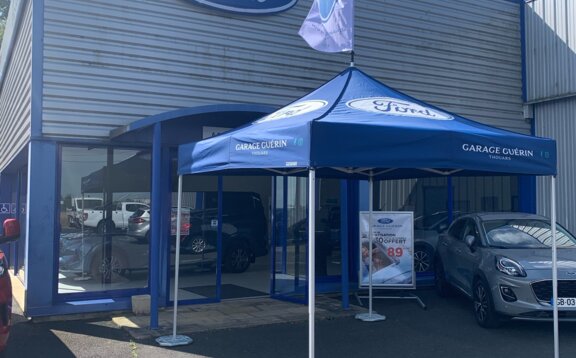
370 316
175 340
311 259
554 265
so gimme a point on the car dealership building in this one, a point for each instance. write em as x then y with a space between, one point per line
95 98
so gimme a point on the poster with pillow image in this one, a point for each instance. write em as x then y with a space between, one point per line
392 244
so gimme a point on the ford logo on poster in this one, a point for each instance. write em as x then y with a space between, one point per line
385 221
248 7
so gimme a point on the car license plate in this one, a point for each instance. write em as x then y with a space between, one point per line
566 302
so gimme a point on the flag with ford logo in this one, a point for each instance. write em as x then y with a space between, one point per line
329 26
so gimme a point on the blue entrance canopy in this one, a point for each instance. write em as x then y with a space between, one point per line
354 125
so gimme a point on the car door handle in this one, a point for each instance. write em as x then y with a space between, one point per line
444 243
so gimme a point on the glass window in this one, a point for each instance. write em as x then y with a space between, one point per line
456 229
100 247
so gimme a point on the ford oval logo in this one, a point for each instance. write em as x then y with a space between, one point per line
397 107
385 221
295 109
249 7
326 8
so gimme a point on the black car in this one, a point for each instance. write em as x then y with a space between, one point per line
244 229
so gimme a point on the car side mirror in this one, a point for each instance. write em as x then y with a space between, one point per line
470 240
442 227
11 231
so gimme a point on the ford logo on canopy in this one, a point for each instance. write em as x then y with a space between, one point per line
249 7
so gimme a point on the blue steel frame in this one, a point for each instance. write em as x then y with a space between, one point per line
526 184
156 216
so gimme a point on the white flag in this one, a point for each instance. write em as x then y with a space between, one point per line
329 26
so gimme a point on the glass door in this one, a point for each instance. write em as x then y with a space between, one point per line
290 239
199 274
328 237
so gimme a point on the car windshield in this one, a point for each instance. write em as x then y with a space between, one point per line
139 212
89 204
523 233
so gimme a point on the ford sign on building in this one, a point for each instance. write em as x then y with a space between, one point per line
250 7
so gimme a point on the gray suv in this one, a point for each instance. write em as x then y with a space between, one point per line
503 262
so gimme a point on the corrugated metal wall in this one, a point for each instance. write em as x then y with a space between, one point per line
110 62
551 87
499 193
15 97
558 120
550 49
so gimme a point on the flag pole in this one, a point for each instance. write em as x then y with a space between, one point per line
352 35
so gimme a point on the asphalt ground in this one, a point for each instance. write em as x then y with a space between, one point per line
445 329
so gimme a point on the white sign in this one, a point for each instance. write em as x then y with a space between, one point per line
184 222
208 132
564 302
392 249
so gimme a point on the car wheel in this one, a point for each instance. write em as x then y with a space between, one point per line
423 258
109 269
101 228
484 311
237 257
442 286
196 245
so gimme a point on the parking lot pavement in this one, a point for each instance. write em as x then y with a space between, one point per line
230 314
445 329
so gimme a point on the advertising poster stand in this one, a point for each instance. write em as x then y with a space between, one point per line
386 256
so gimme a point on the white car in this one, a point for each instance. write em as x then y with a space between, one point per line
121 212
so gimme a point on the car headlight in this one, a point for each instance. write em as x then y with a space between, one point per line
509 267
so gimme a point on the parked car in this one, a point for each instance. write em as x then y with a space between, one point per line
113 257
11 232
244 237
78 206
427 229
502 261
120 211
244 228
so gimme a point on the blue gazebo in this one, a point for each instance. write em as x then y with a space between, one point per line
356 127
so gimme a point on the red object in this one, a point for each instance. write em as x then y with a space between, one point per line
5 303
11 228
136 220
